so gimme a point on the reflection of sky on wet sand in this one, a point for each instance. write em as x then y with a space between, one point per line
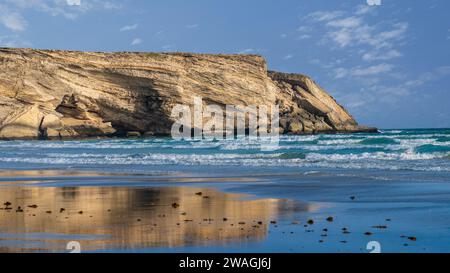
132 218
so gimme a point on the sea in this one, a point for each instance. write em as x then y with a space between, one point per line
309 193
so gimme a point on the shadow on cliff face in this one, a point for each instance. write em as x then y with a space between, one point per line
141 108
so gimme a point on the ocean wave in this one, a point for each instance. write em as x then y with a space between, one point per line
430 148
378 141
426 150
292 155
375 156
338 141
443 139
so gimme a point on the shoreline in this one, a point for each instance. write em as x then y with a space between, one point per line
363 130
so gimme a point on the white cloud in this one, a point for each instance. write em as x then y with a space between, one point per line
13 41
349 22
443 70
304 37
168 47
136 41
362 71
363 9
192 26
349 30
12 20
246 51
129 27
376 91
288 57
379 55
320 16
305 29
73 2
61 7
111 6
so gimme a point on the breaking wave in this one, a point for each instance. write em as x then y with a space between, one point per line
424 150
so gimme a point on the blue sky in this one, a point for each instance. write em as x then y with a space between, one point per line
389 64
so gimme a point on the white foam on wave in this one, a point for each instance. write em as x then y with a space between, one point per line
338 141
408 155
322 152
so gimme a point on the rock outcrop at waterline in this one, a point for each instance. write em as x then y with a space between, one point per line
68 94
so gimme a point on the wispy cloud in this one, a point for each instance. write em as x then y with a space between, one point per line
11 19
288 57
320 16
12 12
136 41
375 91
168 47
129 27
62 7
13 41
363 71
246 51
381 55
349 30
192 26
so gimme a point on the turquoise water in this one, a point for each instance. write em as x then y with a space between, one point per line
401 175
393 150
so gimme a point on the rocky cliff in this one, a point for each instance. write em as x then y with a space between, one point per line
67 94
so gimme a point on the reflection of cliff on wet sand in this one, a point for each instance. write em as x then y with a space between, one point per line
129 218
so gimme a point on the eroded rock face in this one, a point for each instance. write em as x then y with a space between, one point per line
66 94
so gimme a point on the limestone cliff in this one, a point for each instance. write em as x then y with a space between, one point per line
68 94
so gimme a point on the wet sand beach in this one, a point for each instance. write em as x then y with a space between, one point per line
42 210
